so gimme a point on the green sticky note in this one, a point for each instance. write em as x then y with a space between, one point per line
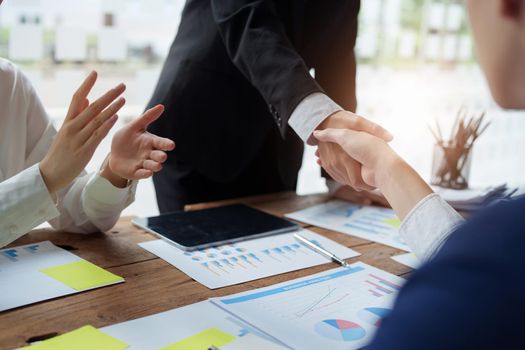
84 338
202 340
395 222
81 275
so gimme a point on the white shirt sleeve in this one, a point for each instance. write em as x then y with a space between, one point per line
90 204
428 225
25 203
311 112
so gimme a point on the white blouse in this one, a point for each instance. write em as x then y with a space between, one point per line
90 204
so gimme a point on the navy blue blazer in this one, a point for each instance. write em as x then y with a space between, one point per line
471 295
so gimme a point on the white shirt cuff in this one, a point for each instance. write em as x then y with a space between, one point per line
26 204
428 225
311 112
101 190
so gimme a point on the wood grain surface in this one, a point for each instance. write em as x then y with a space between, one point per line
153 285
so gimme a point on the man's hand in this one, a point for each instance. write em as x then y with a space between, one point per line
84 128
380 167
337 163
135 153
372 154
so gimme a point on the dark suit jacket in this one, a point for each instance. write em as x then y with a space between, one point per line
236 71
472 295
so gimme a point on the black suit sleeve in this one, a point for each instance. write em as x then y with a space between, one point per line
258 46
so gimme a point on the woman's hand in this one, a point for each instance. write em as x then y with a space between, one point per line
84 128
135 153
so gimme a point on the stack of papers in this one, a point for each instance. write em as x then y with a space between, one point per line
41 271
337 309
230 264
474 198
375 224
196 326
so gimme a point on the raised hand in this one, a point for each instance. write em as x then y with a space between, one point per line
84 128
337 163
135 153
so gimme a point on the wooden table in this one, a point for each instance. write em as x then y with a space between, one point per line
152 285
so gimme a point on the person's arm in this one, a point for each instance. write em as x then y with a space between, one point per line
34 195
255 39
427 219
453 301
95 203
54 186
24 204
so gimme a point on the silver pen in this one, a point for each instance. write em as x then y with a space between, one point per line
320 250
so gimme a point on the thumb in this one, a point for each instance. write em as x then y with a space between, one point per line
148 117
353 143
331 135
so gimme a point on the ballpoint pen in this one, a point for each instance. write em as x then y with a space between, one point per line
320 250
212 347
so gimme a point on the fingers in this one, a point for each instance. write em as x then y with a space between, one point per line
152 165
163 144
142 174
147 118
158 156
362 124
95 123
99 134
328 162
337 163
80 96
350 141
354 176
84 105
331 135
99 105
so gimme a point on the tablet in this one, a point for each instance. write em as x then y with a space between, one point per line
201 229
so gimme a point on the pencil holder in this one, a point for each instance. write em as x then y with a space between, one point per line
451 165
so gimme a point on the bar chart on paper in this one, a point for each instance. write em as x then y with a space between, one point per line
330 310
41 271
372 223
245 261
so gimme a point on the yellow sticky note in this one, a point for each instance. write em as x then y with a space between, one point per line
395 222
81 275
84 338
202 340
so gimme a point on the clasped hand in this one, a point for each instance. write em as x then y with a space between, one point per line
350 148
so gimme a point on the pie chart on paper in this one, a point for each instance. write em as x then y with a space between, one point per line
373 315
340 330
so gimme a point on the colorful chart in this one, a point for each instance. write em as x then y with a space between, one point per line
373 315
380 287
11 254
245 261
340 330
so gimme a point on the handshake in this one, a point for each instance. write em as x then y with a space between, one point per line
354 151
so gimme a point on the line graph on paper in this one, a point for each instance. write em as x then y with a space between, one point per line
327 300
